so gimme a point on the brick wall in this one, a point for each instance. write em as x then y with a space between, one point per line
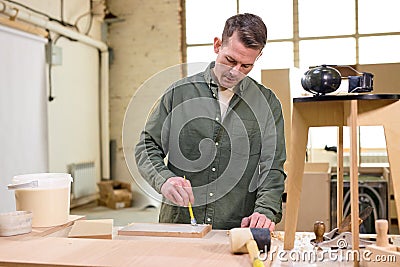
147 42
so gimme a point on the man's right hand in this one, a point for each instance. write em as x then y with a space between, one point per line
178 190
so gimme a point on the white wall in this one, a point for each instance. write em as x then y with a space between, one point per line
74 122
72 125
23 109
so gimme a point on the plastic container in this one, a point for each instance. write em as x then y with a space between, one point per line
49 200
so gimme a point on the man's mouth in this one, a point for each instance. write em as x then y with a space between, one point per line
230 79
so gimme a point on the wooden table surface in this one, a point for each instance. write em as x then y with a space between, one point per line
55 249
52 248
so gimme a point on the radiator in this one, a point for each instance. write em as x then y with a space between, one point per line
374 157
84 175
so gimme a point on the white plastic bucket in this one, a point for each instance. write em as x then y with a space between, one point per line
49 201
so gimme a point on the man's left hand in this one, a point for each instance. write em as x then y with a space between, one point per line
258 220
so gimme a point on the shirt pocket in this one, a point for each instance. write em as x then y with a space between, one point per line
195 140
245 137
187 139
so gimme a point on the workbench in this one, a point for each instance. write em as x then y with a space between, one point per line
212 250
51 247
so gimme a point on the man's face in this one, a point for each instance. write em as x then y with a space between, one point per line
234 61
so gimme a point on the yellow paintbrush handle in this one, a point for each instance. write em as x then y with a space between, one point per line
189 205
190 211
192 219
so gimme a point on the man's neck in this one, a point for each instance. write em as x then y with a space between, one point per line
224 97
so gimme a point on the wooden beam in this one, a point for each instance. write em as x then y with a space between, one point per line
23 27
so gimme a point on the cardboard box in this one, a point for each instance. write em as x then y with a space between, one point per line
115 194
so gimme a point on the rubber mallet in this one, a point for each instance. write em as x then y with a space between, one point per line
250 240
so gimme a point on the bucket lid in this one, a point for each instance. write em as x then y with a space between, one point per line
44 180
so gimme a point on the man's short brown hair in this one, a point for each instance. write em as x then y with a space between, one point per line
251 30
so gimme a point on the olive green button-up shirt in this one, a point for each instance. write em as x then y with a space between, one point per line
235 165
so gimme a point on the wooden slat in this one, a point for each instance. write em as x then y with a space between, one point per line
165 229
354 176
340 178
100 229
45 231
23 27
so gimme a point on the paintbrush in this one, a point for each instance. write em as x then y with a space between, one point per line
192 218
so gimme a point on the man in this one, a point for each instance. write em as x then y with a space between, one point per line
223 135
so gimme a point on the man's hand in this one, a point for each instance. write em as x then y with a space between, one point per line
257 220
178 190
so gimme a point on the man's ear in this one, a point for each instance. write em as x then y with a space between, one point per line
217 44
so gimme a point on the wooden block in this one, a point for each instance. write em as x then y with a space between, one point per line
165 229
99 229
44 231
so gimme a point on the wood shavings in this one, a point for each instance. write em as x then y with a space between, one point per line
277 235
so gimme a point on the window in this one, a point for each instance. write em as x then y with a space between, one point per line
378 16
205 19
277 15
339 51
326 18
303 33
200 54
374 49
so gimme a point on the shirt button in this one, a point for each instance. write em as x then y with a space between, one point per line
216 143
213 169
214 95
217 119
211 194
208 219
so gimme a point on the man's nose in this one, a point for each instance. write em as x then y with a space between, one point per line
235 68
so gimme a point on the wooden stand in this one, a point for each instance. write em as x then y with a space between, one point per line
345 110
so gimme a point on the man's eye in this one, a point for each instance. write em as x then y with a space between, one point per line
231 60
246 66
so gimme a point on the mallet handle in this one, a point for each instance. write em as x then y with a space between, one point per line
252 248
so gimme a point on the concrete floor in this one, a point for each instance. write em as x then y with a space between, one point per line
121 217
